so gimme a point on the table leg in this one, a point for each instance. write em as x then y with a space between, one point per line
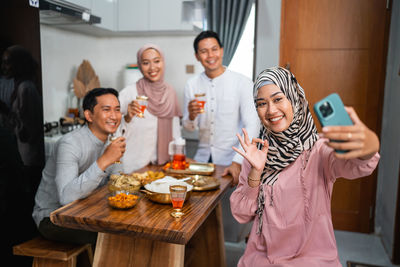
207 247
126 251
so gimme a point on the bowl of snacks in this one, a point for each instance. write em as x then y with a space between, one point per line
123 182
123 199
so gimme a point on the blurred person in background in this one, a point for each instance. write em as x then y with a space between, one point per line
23 117
26 112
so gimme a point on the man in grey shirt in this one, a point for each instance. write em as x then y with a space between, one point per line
81 162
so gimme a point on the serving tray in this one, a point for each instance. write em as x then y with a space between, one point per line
194 168
204 183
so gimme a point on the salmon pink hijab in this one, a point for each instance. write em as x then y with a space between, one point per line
163 103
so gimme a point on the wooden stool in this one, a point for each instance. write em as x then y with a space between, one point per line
48 253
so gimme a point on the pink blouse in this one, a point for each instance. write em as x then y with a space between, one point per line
297 225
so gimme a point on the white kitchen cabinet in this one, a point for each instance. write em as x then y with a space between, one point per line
151 15
167 15
107 11
133 15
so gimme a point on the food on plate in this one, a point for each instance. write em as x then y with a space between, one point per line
123 200
150 176
168 166
133 182
125 182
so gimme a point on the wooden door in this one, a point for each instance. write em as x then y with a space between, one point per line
340 46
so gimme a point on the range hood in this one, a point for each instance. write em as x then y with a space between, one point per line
55 12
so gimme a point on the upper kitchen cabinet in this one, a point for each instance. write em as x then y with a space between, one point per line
107 10
133 15
124 17
159 20
155 15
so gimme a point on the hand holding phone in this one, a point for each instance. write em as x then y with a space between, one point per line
330 111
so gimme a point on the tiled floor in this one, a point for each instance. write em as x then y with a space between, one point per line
362 248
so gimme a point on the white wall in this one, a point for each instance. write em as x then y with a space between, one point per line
388 172
63 52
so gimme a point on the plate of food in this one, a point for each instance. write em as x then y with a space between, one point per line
192 169
204 183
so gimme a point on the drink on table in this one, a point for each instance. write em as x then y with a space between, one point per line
178 194
176 149
177 203
179 162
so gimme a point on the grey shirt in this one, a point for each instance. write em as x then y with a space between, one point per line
71 172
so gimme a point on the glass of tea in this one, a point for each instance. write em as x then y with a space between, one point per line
142 99
113 137
201 100
178 194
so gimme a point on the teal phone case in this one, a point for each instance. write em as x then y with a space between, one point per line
330 112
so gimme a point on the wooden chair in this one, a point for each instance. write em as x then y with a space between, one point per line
48 253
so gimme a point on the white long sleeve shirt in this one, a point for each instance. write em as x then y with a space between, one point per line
229 108
141 134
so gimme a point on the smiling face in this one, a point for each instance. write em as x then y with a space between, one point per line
274 109
152 65
210 55
106 116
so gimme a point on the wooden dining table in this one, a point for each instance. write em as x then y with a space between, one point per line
147 235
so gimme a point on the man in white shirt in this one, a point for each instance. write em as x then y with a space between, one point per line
229 106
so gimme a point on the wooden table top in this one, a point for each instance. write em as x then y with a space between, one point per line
147 219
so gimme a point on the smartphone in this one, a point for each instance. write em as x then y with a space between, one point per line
330 112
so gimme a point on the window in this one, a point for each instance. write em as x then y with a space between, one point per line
242 61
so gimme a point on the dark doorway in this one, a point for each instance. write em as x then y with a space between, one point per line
19 177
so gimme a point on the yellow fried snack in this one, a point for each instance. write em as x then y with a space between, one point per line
122 200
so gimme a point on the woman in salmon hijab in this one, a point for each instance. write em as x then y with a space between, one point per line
147 137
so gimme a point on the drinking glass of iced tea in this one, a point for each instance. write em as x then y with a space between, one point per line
114 137
142 99
178 194
201 100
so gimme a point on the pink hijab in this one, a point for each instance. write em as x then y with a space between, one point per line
163 103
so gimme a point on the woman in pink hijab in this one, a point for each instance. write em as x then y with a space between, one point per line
147 138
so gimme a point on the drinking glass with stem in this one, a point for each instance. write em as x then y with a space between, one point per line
178 195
